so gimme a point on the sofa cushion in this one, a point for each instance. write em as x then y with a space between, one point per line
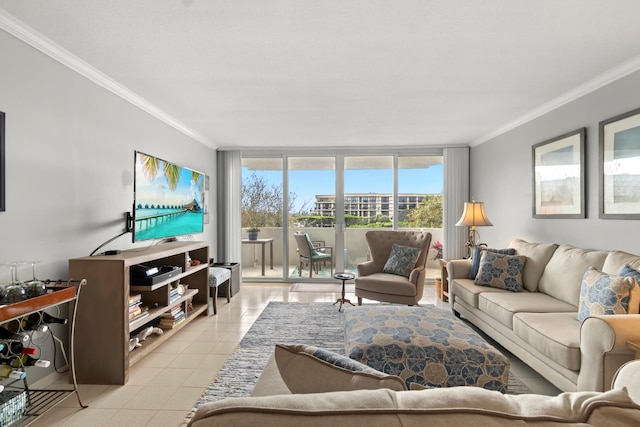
504 306
467 291
603 294
556 335
501 271
402 260
562 277
309 369
538 255
477 255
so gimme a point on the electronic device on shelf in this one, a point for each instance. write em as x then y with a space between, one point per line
149 275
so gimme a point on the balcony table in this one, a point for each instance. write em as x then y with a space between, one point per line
262 242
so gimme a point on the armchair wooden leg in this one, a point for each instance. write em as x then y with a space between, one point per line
359 301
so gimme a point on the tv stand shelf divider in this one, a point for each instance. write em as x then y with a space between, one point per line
103 327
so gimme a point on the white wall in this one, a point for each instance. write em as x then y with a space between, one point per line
69 162
501 176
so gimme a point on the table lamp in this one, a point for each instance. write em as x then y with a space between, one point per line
473 216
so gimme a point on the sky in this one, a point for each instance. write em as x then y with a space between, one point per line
306 184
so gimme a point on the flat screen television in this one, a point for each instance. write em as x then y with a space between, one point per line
167 200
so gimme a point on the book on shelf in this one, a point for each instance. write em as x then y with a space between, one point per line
135 299
138 317
135 312
166 324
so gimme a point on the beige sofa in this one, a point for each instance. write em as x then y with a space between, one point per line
271 405
539 325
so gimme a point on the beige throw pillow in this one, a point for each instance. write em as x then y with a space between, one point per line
309 369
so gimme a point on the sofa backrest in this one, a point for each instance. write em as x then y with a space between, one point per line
538 255
616 260
562 276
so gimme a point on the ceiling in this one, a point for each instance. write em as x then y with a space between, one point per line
309 73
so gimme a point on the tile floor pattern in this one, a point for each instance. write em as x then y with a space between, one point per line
164 386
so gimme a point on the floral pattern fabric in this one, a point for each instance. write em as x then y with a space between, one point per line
602 294
401 260
501 271
423 345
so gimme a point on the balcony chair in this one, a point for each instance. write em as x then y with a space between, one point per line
312 255
376 282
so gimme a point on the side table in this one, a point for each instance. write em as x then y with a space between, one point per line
635 346
445 280
344 277
234 286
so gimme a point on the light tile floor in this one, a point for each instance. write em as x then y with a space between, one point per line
164 386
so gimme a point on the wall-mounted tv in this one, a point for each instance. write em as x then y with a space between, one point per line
168 199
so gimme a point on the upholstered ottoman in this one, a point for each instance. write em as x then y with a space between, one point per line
219 277
424 345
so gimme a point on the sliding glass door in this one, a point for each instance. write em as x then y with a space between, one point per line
332 201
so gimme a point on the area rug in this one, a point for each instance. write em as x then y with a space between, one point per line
321 287
318 324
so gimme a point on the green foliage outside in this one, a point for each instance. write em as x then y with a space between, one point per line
262 206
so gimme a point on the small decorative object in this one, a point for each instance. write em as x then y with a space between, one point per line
437 247
559 176
619 157
253 233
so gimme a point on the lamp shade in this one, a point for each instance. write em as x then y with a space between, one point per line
474 215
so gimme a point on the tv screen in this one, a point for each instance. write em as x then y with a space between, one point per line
168 199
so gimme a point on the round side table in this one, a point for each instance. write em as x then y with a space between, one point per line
344 277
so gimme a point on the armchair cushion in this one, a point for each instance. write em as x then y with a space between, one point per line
401 260
603 294
309 369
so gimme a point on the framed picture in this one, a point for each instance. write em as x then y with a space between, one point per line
559 176
620 166
2 164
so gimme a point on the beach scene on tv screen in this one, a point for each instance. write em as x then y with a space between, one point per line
168 199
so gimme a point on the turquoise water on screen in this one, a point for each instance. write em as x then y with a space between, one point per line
185 223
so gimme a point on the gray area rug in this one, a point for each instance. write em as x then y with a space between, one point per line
318 324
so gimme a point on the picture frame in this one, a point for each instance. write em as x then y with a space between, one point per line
559 176
2 163
620 166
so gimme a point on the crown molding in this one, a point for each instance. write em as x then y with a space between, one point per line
592 85
23 32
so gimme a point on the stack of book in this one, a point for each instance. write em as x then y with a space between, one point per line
173 318
136 310
173 295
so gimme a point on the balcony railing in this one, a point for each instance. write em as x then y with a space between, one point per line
354 253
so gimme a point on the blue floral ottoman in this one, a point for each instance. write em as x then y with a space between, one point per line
424 345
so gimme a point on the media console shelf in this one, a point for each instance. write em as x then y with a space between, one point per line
103 326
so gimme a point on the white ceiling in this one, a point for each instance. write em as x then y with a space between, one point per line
307 73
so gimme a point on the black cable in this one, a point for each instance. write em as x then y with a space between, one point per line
108 241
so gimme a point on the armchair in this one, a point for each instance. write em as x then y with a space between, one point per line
374 283
312 255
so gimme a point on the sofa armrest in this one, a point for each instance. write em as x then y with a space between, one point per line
603 348
366 268
458 269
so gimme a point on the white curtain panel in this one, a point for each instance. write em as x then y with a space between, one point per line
456 192
229 187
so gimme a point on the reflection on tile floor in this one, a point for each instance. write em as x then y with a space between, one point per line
164 386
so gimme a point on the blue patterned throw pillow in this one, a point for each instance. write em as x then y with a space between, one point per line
501 271
477 255
603 294
402 260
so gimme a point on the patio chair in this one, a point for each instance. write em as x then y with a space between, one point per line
312 255
386 281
